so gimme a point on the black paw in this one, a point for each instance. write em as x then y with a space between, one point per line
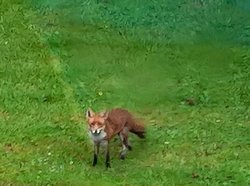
108 165
122 157
95 160
129 147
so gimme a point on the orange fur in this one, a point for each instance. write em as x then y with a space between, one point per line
118 119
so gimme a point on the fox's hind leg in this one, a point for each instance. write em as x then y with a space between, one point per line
124 147
125 144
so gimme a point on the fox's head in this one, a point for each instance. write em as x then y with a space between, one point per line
96 121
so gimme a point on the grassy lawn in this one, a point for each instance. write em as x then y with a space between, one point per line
192 93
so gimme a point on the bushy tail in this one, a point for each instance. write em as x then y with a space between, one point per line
138 129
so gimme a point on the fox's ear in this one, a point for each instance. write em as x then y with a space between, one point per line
104 114
89 113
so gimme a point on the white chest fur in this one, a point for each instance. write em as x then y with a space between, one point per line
98 138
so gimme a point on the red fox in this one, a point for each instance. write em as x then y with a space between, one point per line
105 125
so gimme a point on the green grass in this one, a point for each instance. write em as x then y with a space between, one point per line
52 68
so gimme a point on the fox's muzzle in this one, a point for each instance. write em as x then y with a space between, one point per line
96 131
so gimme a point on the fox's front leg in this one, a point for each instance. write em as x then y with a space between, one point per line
107 156
96 152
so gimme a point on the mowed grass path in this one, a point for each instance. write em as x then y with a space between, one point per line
51 75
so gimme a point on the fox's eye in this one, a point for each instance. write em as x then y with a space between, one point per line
92 124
